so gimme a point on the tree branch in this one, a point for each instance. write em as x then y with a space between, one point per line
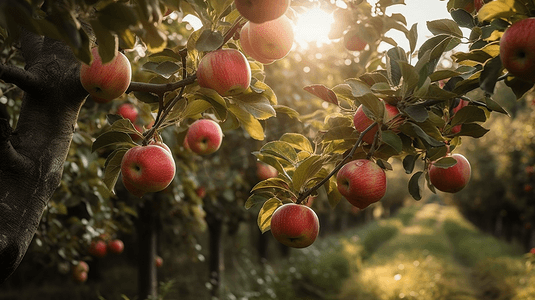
162 88
25 80
346 158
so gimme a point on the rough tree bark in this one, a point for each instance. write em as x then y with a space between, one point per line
32 155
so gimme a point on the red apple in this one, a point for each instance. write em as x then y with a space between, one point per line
80 267
128 111
158 261
517 49
147 169
248 49
265 171
98 248
106 81
361 121
353 41
362 182
273 39
528 187
116 246
204 137
226 71
452 179
462 103
201 192
80 277
161 144
295 225
260 11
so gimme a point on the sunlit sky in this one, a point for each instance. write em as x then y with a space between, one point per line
313 25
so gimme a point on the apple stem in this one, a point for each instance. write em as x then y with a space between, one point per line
308 192
374 143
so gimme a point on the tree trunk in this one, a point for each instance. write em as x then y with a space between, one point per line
147 233
216 263
32 155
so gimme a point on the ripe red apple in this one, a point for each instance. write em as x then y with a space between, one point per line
462 103
248 49
265 171
82 266
158 261
362 182
260 11
226 71
273 39
116 246
295 225
517 49
204 136
80 277
361 121
353 41
452 179
106 81
128 111
98 248
147 169
161 144
528 187
201 192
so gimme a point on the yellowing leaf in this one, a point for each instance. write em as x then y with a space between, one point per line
248 122
266 212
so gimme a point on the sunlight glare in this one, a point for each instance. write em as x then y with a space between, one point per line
194 21
313 26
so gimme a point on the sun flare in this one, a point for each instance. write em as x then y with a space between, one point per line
313 26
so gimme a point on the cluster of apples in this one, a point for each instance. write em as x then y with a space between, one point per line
79 271
268 35
99 248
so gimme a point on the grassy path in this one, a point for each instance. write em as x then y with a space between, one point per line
437 255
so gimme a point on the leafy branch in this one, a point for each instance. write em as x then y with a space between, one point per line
308 192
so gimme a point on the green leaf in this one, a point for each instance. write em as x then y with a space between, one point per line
209 40
280 149
519 86
248 122
463 18
111 138
167 53
416 185
195 107
266 212
417 112
412 36
298 141
494 106
414 130
473 130
274 162
358 88
445 162
393 56
271 183
444 26
501 9
490 73
290 112
469 114
256 104
118 17
107 42
409 162
333 195
306 170
374 105
255 199
167 69
113 168
410 78
146 97
392 139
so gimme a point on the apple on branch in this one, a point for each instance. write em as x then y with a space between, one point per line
128 111
260 11
451 179
108 81
79 271
353 41
116 246
361 121
362 182
98 248
517 49
271 40
147 169
265 171
462 103
226 71
248 49
295 225
204 137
